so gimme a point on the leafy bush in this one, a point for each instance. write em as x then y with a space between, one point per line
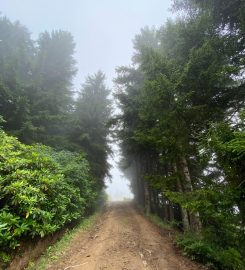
41 190
216 257
77 173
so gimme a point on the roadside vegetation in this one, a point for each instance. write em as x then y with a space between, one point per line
56 251
181 127
53 145
42 191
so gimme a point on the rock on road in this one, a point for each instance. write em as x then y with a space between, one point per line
123 239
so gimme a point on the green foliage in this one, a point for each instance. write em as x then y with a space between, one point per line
35 84
181 126
51 97
90 132
159 222
76 171
214 256
41 190
54 252
16 54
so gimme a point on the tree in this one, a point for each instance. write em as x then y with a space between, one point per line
187 104
51 99
36 84
16 66
92 112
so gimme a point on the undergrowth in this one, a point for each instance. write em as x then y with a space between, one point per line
54 252
159 222
205 249
212 255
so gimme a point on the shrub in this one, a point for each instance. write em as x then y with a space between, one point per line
76 171
41 190
216 257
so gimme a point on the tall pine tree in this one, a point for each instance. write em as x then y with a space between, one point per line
92 113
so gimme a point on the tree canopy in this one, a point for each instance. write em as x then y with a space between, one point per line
181 127
53 144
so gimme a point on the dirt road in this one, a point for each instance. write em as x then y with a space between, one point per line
123 239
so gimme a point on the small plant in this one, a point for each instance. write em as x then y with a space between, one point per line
5 257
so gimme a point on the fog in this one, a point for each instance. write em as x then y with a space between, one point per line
103 32
118 188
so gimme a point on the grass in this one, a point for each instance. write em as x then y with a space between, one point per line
54 252
125 221
159 222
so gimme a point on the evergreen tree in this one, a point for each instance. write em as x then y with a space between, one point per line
51 98
92 113
16 66
180 142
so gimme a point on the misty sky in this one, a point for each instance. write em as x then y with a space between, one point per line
103 31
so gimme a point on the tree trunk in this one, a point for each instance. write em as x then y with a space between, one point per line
171 212
165 209
147 199
154 205
195 223
184 213
140 184
157 203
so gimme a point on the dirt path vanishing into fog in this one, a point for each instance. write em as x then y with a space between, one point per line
123 239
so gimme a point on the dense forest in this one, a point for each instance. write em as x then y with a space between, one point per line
181 127
53 141
179 123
